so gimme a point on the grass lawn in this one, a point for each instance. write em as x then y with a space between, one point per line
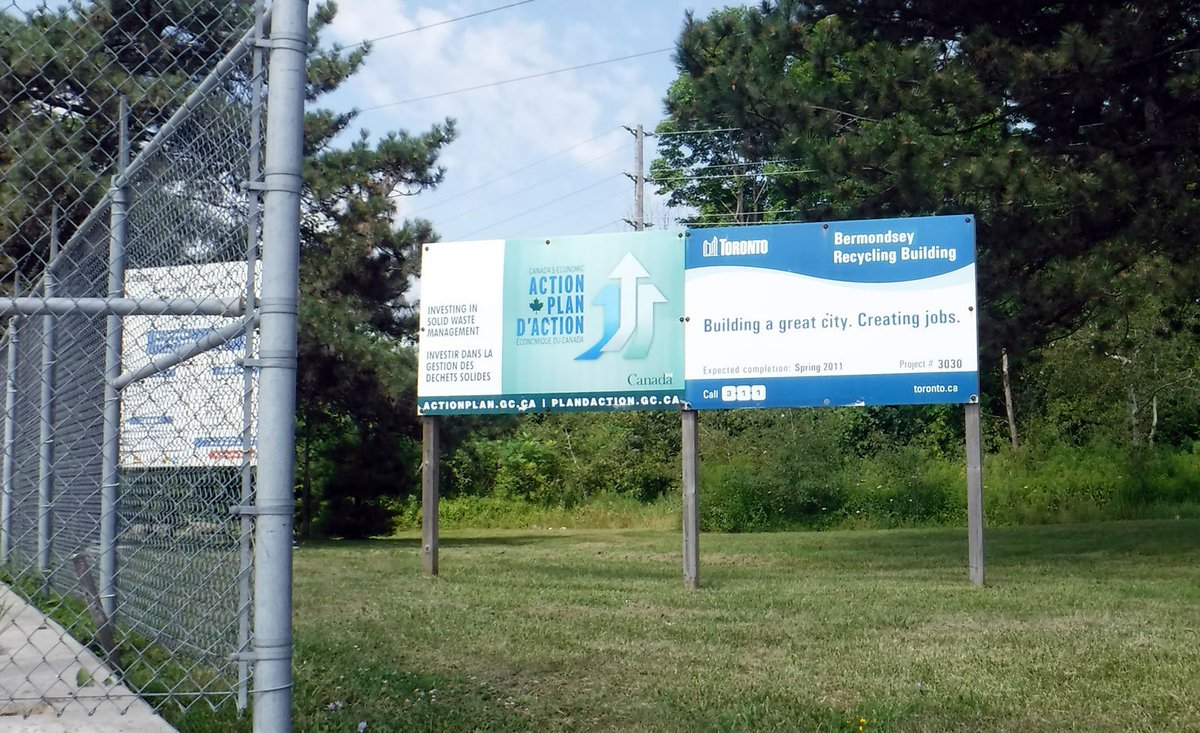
1082 627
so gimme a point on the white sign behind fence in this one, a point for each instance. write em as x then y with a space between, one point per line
190 414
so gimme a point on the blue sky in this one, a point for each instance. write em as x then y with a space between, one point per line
499 183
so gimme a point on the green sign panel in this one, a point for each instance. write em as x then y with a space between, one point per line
560 324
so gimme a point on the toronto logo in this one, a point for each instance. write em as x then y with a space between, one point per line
628 307
722 247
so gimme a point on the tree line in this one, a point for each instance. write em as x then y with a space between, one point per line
1067 129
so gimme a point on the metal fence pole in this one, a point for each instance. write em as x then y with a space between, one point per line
277 363
254 201
10 434
46 439
110 471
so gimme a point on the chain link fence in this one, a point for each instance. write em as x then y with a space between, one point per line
130 216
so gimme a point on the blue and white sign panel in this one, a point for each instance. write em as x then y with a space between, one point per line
873 312
190 414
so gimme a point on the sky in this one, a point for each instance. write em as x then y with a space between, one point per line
539 157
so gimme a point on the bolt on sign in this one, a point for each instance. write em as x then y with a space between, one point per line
573 323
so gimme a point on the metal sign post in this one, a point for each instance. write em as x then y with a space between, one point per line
974 493
691 500
430 468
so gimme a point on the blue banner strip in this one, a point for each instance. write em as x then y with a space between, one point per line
666 399
864 251
922 388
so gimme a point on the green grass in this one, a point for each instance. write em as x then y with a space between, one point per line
1083 628
607 511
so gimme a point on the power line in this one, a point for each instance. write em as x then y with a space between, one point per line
755 174
694 132
513 172
752 213
605 226
526 190
440 22
737 165
596 202
516 79
541 206
732 222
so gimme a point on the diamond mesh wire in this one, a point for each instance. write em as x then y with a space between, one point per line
190 74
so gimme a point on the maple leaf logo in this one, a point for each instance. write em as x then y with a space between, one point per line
535 305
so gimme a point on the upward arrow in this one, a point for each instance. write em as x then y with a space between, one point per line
608 299
628 271
648 297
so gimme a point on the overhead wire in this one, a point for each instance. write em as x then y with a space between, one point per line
525 190
527 77
573 147
508 6
765 174
649 179
578 209
674 133
745 163
760 211
439 23
515 171
605 226
541 206
734 222
540 183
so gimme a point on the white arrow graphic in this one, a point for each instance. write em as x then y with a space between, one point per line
648 297
628 271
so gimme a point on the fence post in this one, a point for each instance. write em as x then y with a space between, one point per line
10 433
277 361
110 454
253 220
45 525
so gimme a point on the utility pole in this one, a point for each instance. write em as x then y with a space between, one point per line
639 178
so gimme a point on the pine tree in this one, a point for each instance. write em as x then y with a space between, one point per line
62 73
1068 129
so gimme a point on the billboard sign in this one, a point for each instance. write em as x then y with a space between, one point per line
561 324
191 413
873 312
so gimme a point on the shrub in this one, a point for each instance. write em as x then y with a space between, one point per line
756 489
520 466
903 487
355 517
